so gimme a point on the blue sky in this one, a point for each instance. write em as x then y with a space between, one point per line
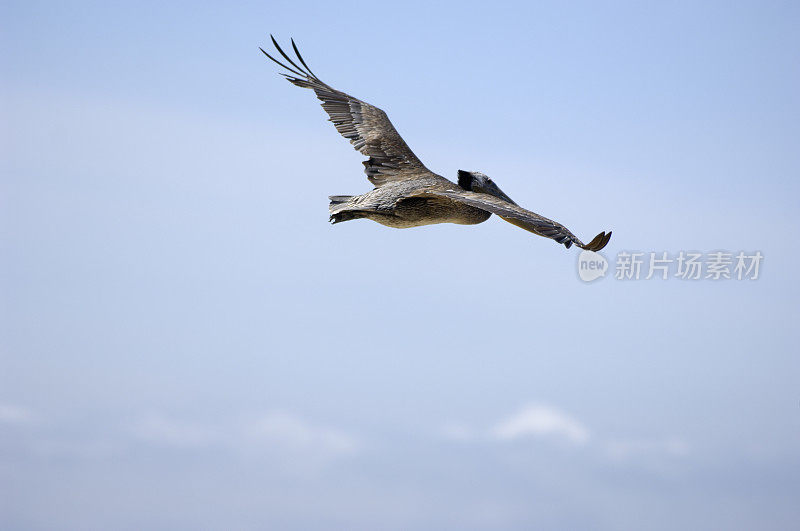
185 342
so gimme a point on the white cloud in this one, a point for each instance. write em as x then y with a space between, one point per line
293 433
541 421
10 414
273 432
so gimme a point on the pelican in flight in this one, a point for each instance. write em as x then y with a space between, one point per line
406 193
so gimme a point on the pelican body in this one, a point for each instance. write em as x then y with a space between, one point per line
406 193
400 205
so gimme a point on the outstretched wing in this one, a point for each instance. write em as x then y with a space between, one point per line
365 126
522 218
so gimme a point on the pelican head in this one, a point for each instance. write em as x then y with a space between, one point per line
475 181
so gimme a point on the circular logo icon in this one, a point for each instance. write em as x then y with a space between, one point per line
591 266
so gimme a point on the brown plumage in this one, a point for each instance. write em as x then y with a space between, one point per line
406 193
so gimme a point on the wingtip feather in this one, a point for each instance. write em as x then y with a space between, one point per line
598 242
277 46
302 61
281 64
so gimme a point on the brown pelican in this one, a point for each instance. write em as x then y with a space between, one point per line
406 193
